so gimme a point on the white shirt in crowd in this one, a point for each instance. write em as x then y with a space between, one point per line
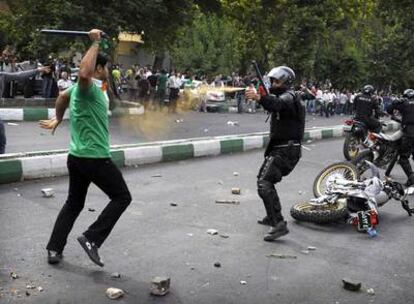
64 84
174 82
319 94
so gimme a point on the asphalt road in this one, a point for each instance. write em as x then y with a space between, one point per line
28 137
153 238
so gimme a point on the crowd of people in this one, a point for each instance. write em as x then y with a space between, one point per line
46 85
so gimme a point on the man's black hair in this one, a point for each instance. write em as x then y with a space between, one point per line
101 60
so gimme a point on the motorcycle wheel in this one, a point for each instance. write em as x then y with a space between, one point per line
345 169
360 163
306 212
351 146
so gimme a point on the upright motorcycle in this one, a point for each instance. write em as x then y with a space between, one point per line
356 133
382 150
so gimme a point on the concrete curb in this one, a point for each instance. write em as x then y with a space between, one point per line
35 114
26 166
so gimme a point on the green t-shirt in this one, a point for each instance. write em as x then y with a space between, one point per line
162 82
88 122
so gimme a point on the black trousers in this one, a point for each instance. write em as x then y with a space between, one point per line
174 92
2 138
406 149
278 162
82 172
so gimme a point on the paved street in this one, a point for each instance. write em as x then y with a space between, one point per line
27 136
153 238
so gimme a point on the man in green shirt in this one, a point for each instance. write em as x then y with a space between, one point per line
162 88
89 159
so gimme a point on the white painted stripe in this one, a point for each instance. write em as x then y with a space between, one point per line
136 111
52 113
206 147
11 114
315 134
252 142
37 167
59 167
142 155
338 131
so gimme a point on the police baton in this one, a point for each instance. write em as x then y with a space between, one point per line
259 75
70 33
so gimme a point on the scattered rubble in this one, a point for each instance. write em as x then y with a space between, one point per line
48 192
160 286
371 291
212 231
232 123
40 289
115 275
14 275
229 202
235 190
114 293
282 256
351 284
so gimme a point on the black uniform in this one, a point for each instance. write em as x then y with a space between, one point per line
284 149
364 106
406 108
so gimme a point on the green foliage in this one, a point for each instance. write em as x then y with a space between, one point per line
349 42
209 46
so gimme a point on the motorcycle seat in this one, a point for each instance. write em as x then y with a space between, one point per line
389 137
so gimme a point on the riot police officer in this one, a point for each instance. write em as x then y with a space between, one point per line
405 106
367 109
284 149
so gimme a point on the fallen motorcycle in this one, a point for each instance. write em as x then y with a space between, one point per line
354 201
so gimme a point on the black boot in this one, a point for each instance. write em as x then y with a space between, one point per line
410 181
54 257
275 232
265 221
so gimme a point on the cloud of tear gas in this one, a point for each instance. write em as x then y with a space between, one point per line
156 123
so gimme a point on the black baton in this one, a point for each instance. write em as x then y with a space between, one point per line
70 33
259 75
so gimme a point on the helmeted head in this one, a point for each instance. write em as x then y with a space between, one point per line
281 77
409 93
368 89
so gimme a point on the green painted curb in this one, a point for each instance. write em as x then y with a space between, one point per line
31 114
327 133
118 158
177 152
10 171
231 145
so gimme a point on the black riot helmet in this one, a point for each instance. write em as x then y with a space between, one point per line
368 89
283 74
409 93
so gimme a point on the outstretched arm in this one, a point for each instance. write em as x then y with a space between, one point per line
20 76
62 102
